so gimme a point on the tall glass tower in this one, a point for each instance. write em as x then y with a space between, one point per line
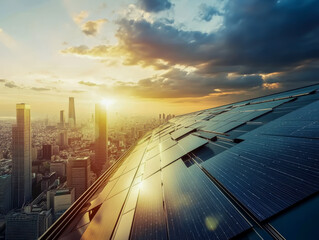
21 157
100 138
62 119
72 121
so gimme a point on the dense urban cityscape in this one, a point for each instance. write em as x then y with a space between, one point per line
45 165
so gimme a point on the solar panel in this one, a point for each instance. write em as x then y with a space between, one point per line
268 173
106 216
155 151
149 221
171 155
191 142
196 209
181 132
124 182
203 134
102 195
184 146
132 199
167 144
124 226
151 166
303 122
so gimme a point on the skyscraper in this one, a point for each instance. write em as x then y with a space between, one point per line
47 151
21 157
78 175
62 119
72 121
101 139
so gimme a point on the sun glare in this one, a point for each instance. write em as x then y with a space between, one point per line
107 102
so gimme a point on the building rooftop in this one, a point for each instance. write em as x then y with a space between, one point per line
248 170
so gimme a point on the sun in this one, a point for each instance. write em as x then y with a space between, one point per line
107 102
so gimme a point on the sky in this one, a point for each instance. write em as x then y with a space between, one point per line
153 56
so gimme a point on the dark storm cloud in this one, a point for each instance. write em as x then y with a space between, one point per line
296 77
178 84
257 37
207 12
154 5
146 43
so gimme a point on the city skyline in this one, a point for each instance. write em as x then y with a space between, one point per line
173 56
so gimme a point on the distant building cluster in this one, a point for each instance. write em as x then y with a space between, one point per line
44 168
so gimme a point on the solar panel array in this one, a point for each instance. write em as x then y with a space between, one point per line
219 173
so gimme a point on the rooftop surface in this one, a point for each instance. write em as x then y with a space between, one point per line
248 170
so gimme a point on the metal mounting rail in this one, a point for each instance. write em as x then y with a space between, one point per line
56 229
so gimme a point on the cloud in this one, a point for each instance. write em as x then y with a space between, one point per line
90 84
2 80
154 5
78 91
207 12
40 89
11 84
91 28
177 83
83 50
78 18
243 54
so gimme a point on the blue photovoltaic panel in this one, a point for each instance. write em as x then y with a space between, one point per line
149 221
171 154
203 134
191 142
181 132
305 90
303 122
196 209
268 173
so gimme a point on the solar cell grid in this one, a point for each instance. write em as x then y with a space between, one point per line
268 174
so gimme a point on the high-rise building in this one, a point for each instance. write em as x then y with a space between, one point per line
78 175
27 225
62 119
72 120
47 151
21 157
60 200
101 139
59 167
63 138
5 193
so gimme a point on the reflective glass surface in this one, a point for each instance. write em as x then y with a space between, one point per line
149 221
